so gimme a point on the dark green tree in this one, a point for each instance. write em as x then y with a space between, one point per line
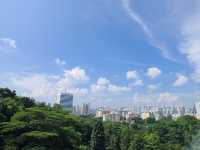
125 138
132 145
5 92
27 102
114 140
1 142
151 141
137 142
8 107
98 137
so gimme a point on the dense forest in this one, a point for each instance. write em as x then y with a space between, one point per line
29 125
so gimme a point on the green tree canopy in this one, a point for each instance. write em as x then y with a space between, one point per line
98 137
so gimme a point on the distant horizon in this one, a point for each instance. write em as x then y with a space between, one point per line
130 106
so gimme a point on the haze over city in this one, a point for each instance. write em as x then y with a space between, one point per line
107 53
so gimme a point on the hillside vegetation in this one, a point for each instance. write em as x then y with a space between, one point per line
29 125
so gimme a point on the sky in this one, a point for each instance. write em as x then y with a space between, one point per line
111 53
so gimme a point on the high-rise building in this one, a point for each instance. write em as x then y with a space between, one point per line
112 116
198 110
99 112
84 109
66 100
146 115
77 110
194 111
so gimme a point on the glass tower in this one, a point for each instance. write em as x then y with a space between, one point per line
66 100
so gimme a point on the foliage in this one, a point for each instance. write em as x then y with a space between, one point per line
98 136
28 125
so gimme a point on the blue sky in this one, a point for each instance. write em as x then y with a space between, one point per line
106 52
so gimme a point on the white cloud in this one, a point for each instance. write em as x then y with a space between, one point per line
167 98
132 75
180 80
60 62
103 81
152 87
46 87
138 83
190 45
38 86
79 91
77 74
72 78
118 89
104 86
7 43
153 72
140 99
98 89
186 25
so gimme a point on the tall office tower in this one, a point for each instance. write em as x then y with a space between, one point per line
66 100
181 111
77 110
198 110
85 109
194 110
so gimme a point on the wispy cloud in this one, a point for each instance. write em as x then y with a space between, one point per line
188 35
128 62
137 18
141 22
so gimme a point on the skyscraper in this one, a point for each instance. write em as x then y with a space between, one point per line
194 111
84 109
198 109
66 100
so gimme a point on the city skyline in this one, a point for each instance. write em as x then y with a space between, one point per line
157 113
107 53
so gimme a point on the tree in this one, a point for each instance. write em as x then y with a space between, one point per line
114 138
132 145
27 102
151 141
137 142
1 142
83 147
57 106
5 92
125 138
8 107
28 125
98 137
